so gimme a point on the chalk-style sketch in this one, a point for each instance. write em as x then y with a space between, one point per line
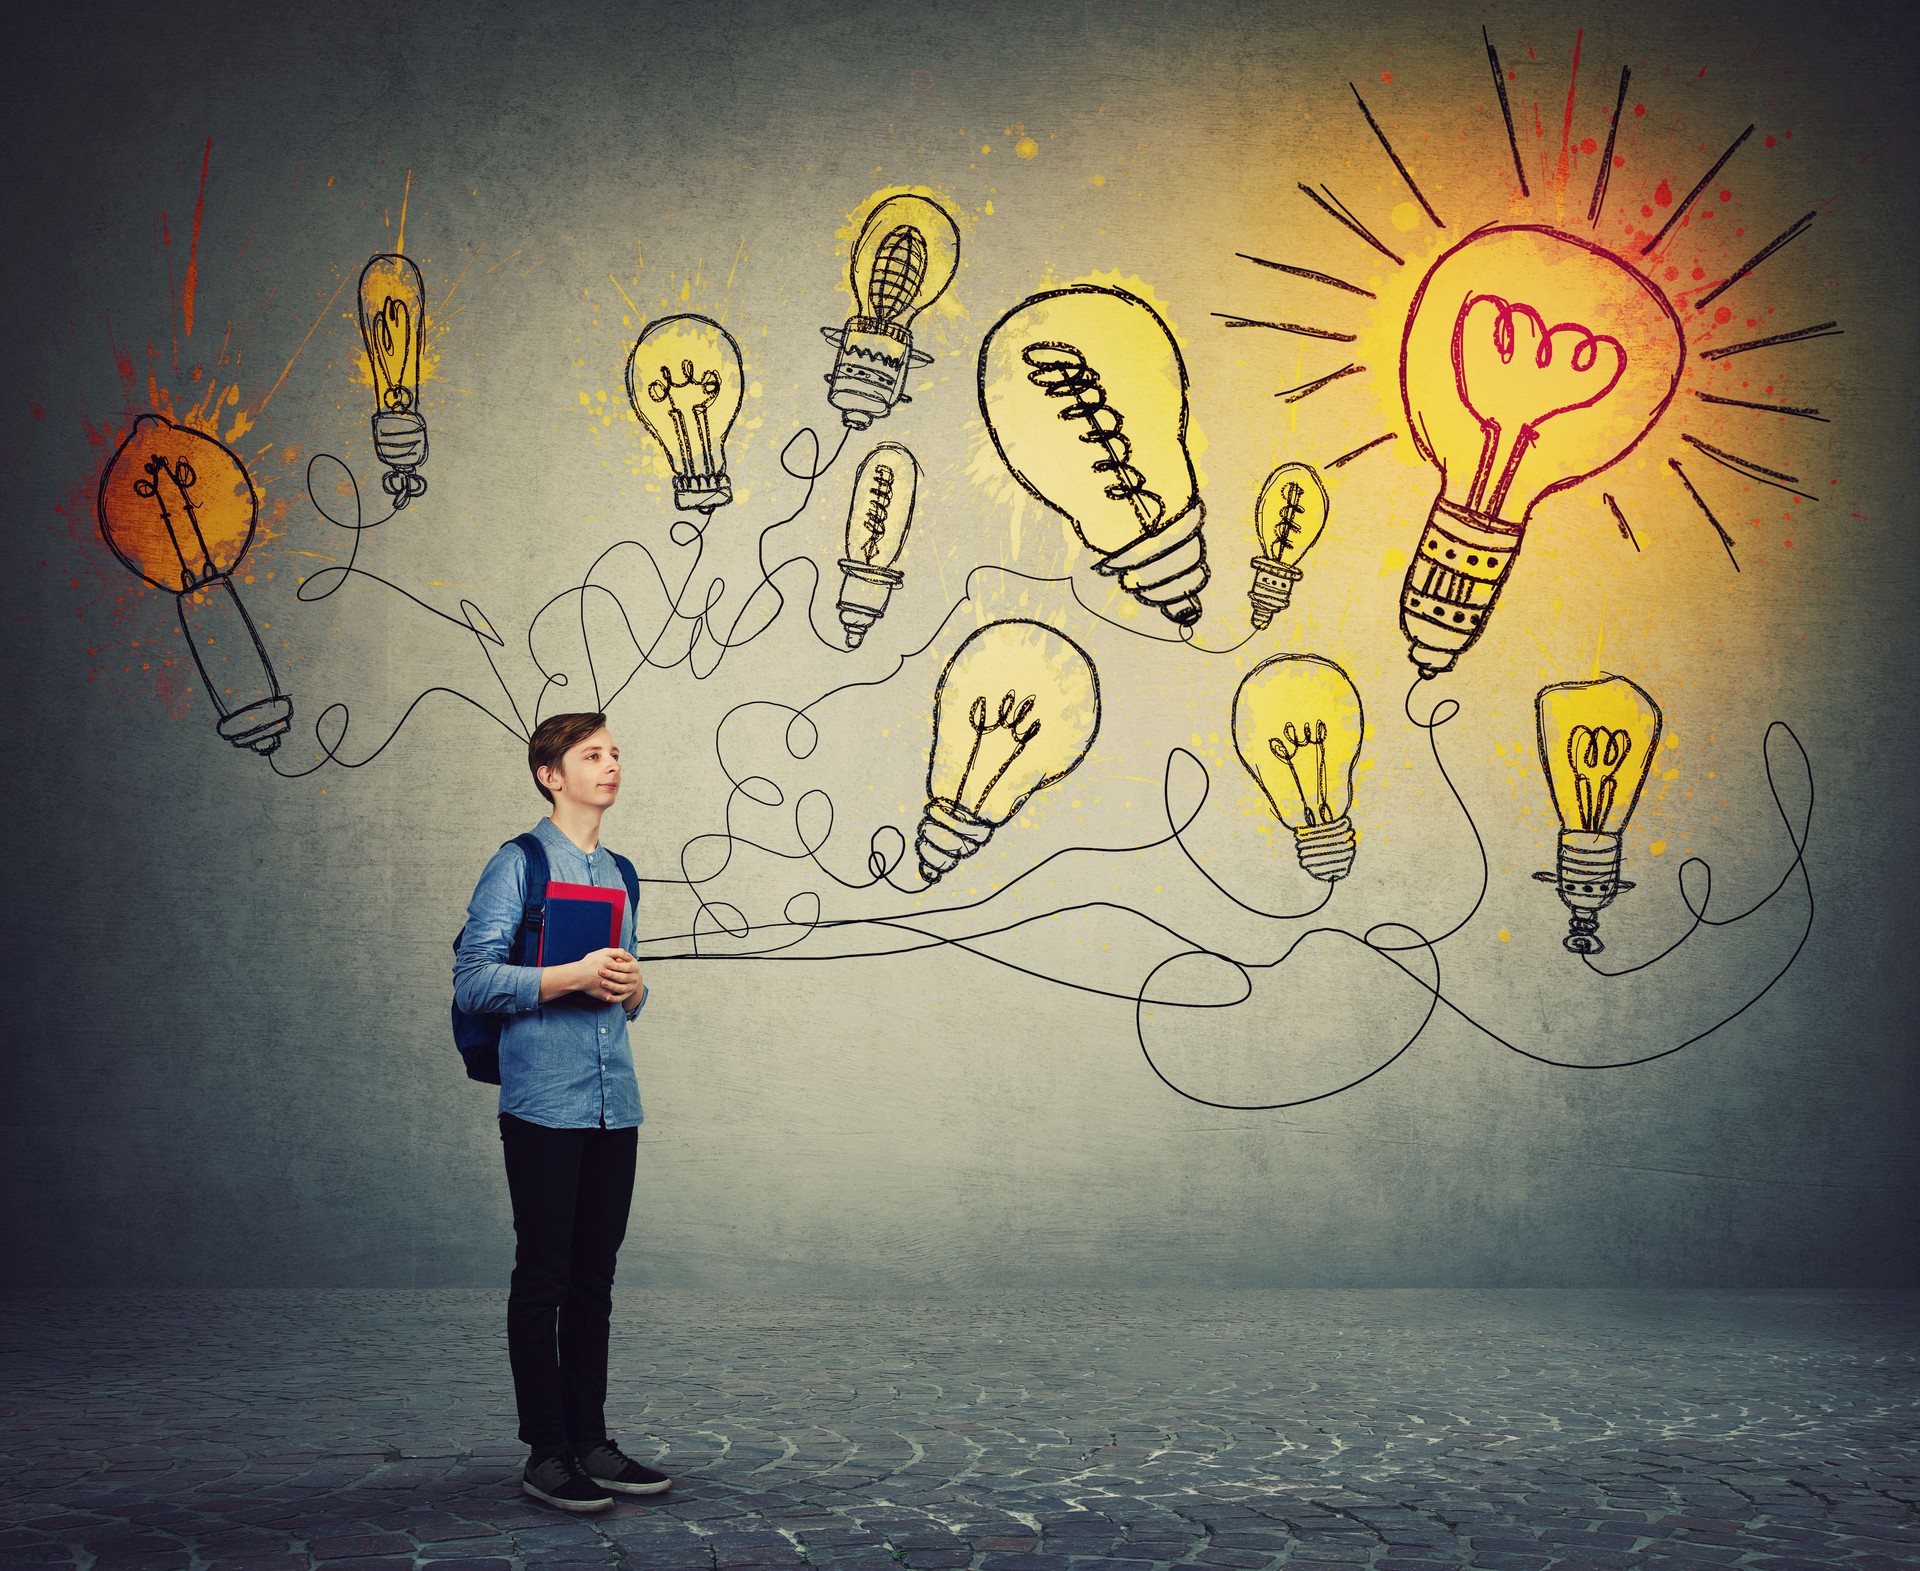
1298 726
1016 709
684 382
1531 361
1597 741
179 509
1085 397
903 261
393 321
878 516
1288 517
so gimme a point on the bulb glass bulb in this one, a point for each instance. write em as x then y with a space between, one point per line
1085 397
1017 708
1532 360
179 509
684 381
1298 727
1597 741
1288 517
878 517
904 260
393 324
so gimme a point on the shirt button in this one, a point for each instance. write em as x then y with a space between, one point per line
603 1030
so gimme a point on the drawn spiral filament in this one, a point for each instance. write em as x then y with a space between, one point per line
878 517
1085 397
1298 726
1596 745
393 324
684 382
179 510
1016 709
905 257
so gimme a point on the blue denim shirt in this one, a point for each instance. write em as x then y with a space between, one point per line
566 1063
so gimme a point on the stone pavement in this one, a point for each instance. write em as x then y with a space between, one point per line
275 1431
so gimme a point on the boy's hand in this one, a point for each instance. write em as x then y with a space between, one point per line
610 975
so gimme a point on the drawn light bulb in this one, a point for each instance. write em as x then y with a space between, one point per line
1017 708
1596 746
1085 397
1532 360
1297 726
1288 517
903 261
179 510
684 382
878 518
393 321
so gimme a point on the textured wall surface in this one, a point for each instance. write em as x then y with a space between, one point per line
227 1060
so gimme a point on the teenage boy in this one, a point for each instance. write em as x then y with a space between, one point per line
569 1123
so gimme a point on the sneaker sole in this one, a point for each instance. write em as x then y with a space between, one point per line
634 1489
566 1505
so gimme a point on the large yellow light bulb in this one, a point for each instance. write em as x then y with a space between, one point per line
684 382
878 516
906 255
1085 397
1596 745
1017 708
393 324
1298 726
1288 517
179 509
1531 361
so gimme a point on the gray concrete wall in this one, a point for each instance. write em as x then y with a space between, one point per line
227 1058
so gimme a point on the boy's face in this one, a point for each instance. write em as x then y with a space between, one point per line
589 772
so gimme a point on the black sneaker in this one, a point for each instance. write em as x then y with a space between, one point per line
607 1464
560 1480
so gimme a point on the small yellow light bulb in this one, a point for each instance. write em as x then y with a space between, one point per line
1298 726
1288 518
1596 745
878 517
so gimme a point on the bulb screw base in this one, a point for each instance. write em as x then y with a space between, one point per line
1272 590
1587 880
1165 568
869 374
400 442
1455 577
1326 850
259 726
864 592
701 493
949 833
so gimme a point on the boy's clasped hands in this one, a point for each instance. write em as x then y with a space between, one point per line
610 975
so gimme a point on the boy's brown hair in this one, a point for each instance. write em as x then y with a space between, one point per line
552 737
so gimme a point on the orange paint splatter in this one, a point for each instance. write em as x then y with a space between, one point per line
1663 194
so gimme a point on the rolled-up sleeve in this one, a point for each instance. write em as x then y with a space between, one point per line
483 982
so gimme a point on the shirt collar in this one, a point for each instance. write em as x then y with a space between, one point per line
549 832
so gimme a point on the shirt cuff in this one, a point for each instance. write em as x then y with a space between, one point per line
644 990
526 990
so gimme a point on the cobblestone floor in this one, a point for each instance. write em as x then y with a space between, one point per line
1506 1430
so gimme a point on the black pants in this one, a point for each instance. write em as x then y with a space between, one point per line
571 1191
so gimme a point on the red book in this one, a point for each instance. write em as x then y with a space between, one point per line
580 919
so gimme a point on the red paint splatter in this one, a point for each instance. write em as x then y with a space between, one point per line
193 253
1769 141
1386 76
1663 194
1722 316
36 411
1726 196
1587 144
1699 272
1639 110
1672 274
1566 124
1645 211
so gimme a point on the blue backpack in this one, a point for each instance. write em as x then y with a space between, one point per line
478 1036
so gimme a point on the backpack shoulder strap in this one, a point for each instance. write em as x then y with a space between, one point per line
533 914
632 880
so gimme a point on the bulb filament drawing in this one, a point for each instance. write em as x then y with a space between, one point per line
1061 371
1288 746
878 518
687 401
